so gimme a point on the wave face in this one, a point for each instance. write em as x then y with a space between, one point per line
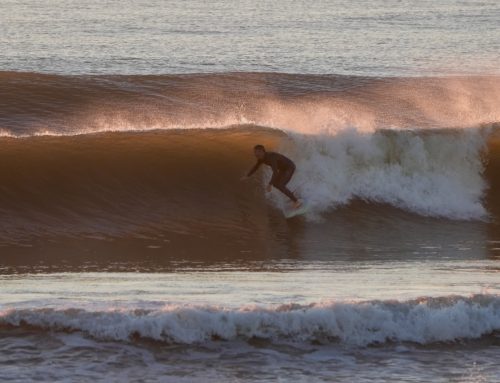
120 183
424 145
422 321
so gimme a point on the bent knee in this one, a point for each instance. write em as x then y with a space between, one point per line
278 185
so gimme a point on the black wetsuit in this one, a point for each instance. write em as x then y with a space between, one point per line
283 169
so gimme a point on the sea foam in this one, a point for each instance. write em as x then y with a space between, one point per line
436 173
422 321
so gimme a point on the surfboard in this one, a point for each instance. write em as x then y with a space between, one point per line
290 212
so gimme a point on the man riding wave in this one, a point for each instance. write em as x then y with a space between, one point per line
283 169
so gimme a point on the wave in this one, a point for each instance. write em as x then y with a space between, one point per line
422 321
112 156
118 185
118 182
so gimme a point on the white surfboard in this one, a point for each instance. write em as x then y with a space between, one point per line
290 211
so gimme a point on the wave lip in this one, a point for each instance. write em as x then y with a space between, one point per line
39 104
422 321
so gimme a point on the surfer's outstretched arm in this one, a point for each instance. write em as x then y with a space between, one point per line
254 169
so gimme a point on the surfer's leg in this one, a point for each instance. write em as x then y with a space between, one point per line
286 191
287 176
281 182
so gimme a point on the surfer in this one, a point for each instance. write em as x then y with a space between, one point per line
283 169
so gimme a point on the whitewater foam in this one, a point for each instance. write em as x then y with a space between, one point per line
432 173
423 321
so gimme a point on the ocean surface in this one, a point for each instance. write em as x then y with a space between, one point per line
131 251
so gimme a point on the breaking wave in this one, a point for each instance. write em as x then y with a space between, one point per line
422 321
118 155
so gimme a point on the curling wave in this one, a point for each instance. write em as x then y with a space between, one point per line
121 181
112 156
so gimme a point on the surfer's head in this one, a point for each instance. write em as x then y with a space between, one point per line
259 151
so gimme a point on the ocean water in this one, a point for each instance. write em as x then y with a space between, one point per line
391 37
131 251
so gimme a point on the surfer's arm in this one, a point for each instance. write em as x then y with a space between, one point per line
254 169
